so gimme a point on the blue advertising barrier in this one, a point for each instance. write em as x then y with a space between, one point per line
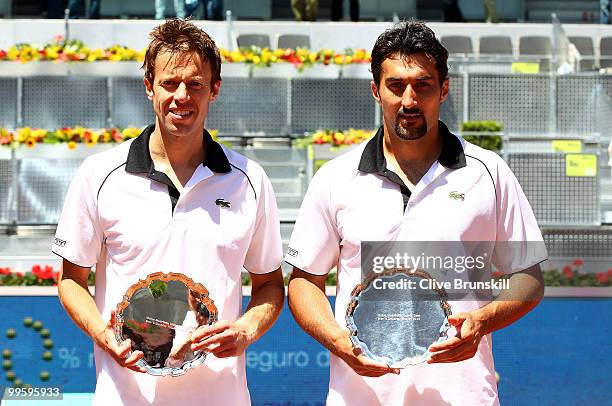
558 354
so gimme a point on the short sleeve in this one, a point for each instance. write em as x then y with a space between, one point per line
519 242
79 237
315 243
265 249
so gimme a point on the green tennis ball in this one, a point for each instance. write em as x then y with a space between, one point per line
44 375
47 355
17 383
11 333
6 354
45 333
11 376
37 325
48 343
28 322
6 364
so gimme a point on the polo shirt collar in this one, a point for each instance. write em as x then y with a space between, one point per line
139 157
451 157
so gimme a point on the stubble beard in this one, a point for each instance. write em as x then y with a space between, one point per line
411 133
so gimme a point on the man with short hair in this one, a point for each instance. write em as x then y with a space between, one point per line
173 200
413 181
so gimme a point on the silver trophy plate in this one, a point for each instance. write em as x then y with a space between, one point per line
158 314
393 317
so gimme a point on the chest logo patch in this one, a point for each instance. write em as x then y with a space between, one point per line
223 203
457 196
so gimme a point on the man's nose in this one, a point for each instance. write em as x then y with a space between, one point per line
409 97
181 93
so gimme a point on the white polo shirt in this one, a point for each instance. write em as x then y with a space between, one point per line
356 198
129 220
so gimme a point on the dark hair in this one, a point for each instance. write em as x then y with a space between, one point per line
178 36
408 38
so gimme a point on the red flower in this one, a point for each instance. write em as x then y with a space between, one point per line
19 274
610 272
117 136
5 271
43 273
567 270
602 277
578 262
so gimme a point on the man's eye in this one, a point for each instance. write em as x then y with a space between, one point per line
195 85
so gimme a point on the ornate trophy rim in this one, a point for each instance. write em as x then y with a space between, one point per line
192 286
365 285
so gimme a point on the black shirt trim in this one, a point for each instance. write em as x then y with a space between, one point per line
139 161
139 157
451 157
373 158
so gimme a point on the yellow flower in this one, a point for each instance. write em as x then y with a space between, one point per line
237 56
106 137
38 133
72 145
23 134
131 132
339 137
52 52
13 54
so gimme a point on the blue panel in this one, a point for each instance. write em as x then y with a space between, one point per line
72 364
558 354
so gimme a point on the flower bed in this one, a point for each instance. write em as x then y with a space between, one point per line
572 275
569 276
37 276
61 50
30 137
335 138
70 136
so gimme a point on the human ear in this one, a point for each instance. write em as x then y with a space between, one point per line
148 89
375 92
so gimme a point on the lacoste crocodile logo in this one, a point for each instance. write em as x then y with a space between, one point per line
222 203
457 196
